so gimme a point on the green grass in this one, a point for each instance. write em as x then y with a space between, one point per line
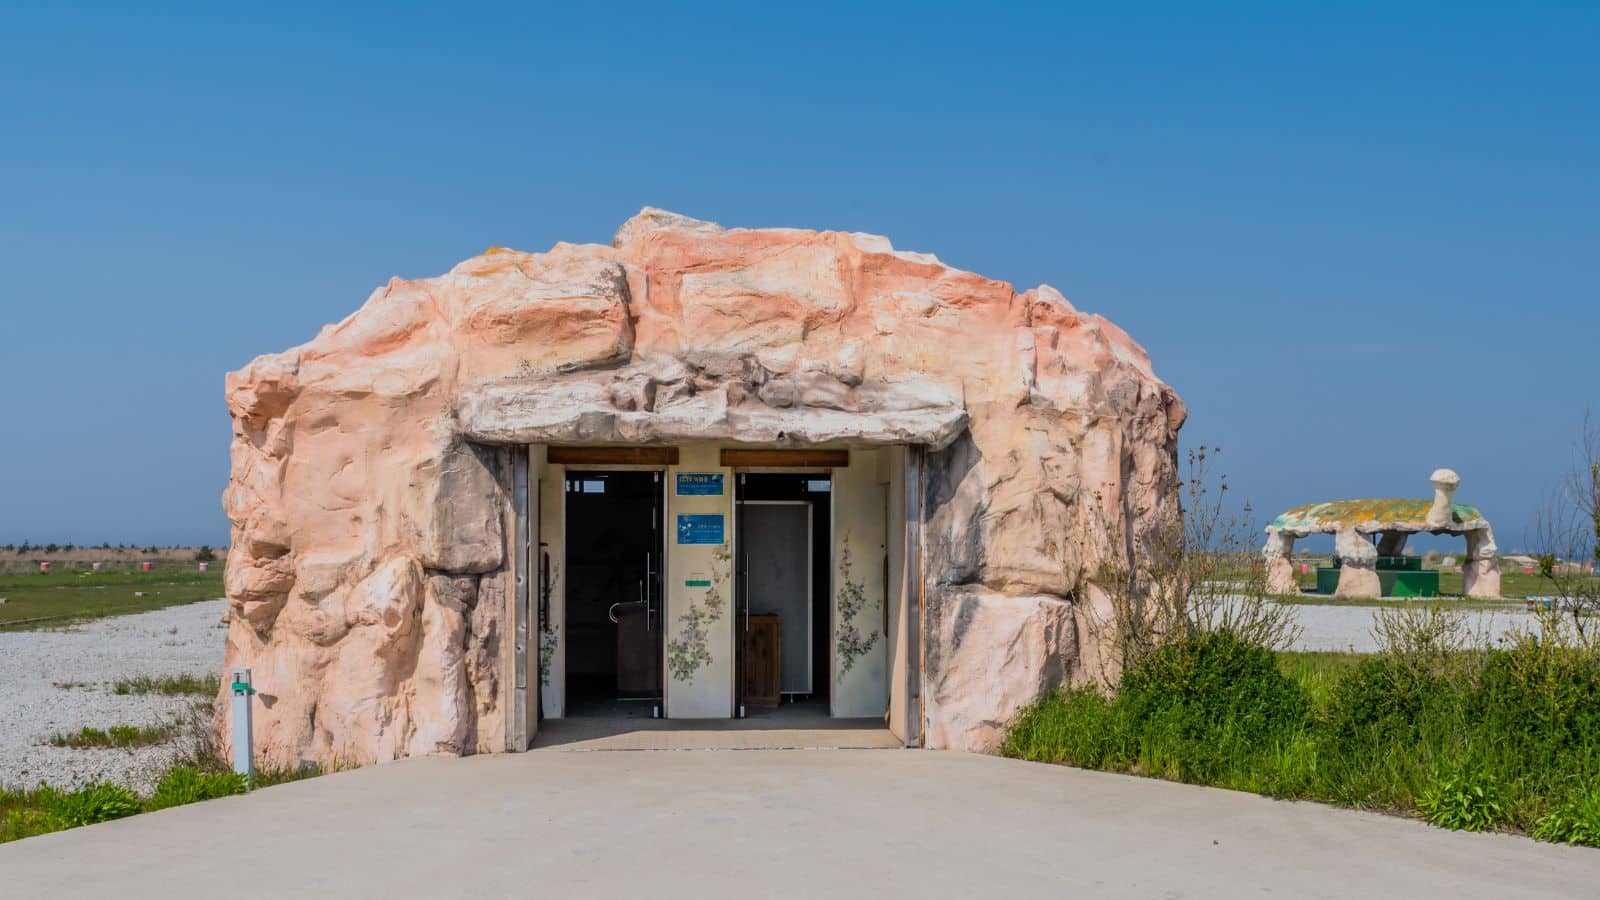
168 685
1456 602
60 598
1515 585
28 812
33 811
1317 671
117 736
1488 739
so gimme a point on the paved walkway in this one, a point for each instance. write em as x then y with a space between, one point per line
711 824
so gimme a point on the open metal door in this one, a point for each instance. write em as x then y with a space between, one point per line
640 624
655 592
529 575
741 600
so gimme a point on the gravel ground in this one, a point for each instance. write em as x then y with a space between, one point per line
1350 627
178 640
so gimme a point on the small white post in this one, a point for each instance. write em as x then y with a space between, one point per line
243 750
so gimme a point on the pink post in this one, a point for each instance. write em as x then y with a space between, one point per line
1304 568
44 567
1527 570
96 566
144 567
203 567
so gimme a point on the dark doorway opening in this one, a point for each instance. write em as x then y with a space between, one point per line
784 622
613 598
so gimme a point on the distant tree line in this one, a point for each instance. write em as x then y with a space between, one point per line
205 553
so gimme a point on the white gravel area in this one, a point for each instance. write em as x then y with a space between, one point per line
1350 627
178 640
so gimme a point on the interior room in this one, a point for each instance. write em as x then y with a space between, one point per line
784 578
613 614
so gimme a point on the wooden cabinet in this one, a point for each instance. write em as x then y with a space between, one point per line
763 662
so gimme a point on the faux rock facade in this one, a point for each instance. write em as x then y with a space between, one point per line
369 575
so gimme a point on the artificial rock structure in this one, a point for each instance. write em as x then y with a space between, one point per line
372 570
1355 523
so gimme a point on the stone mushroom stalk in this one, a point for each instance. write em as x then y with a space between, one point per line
1442 513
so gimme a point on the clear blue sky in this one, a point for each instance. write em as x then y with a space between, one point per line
1361 241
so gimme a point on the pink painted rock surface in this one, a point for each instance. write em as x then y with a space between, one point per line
368 574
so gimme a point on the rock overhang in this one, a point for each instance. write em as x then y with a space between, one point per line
613 411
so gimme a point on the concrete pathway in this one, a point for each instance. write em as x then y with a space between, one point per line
711 824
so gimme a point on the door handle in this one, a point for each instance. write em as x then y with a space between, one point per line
612 613
647 591
644 598
544 590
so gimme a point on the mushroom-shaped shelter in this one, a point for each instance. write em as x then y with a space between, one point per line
1354 522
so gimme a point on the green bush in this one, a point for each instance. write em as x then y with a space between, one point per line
1466 736
1574 821
1463 801
1198 706
1384 700
186 784
1075 727
1215 681
99 802
1542 699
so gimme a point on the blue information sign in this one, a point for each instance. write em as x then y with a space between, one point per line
699 484
700 529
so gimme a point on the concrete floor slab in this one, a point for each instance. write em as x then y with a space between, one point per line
788 733
838 823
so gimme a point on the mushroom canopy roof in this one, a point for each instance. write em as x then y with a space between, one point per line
1375 515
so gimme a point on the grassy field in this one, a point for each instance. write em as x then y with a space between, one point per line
35 600
1515 584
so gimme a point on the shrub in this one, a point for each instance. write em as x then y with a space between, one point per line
186 784
205 554
1204 703
99 802
1574 821
1215 679
1463 801
1383 700
1075 727
1540 697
